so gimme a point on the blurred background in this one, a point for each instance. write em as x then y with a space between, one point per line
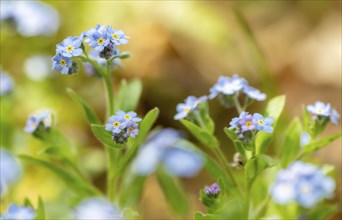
178 48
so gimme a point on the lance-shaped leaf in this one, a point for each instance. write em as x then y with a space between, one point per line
91 116
256 165
40 215
291 146
237 144
173 192
104 136
144 128
318 144
201 134
129 95
79 186
273 109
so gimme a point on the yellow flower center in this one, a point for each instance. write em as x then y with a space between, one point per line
320 111
69 48
62 62
261 122
305 190
115 36
100 41
248 124
116 124
127 117
187 109
130 129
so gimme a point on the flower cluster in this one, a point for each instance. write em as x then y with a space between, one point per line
103 39
18 213
6 83
164 148
189 106
96 209
41 119
123 125
246 125
228 87
323 112
10 170
213 190
303 183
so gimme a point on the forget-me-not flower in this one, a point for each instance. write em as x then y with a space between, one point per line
164 148
98 40
117 37
302 183
123 125
96 209
70 47
19 213
263 124
254 93
227 85
62 64
323 111
247 123
10 170
190 105
6 83
43 118
213 190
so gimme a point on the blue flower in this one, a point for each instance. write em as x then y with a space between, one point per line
61 63
227 86
263 124
70 47
320 109
334 116
115 124
254 93
305 138
117 37
132 129
303 183
129 116
99 40
10 170
164 148
96 209
190 105
235 121
6 83
19 213
247 123
213 190
42 117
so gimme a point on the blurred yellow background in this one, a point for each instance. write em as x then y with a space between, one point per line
178 48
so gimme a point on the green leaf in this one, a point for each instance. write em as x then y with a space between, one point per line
129 95
237 144
104 136
173 192
131 190
129 213
273 109
207 120
202 135
40 215
91 116
28 203
77 185
291 146
201 216
318 144
322 212
145 127
256 165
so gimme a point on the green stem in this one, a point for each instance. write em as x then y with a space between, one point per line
111 153
237 104
199 119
